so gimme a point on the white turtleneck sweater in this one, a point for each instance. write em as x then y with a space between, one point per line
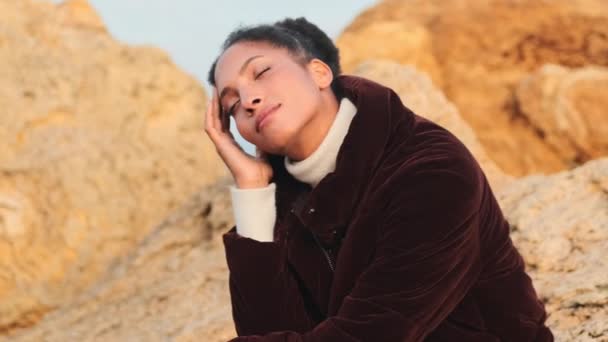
255 210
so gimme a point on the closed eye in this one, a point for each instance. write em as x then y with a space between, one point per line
230 111
260 74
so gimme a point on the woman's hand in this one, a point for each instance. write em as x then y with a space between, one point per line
248 172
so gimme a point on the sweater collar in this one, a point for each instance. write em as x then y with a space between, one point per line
323 160
327 208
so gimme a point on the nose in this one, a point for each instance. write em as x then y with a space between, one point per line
251 102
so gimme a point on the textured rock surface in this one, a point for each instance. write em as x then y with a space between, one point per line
569 107
418 93
477 51
98 142
173 286
560 224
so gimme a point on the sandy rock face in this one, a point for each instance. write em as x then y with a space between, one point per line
569 107
79 13
173 286
98 142
560 224
478 51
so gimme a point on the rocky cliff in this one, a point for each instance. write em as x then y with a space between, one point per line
478 52
113 201
99 141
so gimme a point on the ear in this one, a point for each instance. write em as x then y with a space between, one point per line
321 73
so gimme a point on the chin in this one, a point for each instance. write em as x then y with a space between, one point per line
275 142
278 150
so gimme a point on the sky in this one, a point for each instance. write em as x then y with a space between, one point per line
191 31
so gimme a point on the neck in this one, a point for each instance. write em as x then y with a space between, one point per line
315 130
323 160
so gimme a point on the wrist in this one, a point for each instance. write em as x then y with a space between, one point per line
251 184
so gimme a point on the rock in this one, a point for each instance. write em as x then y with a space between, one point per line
478 51
98 142
172 286
410 42
560 224
569 108
418 93
80 13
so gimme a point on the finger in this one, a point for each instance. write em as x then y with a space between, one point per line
223 129
209 120
215 112
215 125
221 137
210 127
227 124
224 120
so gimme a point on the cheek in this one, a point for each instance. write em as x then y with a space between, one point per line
301 96
306 103
244 128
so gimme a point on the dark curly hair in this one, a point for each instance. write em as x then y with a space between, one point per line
302 39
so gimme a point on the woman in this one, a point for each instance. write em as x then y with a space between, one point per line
358 220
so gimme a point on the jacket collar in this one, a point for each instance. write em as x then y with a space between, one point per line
327 208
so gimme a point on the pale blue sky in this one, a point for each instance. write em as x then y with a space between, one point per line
191 31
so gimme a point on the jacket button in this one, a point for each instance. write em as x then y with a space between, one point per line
311 210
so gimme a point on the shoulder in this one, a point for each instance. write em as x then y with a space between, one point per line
433 160
438 185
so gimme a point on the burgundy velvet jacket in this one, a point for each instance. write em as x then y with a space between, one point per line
404 241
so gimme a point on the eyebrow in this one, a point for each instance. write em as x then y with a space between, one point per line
243 67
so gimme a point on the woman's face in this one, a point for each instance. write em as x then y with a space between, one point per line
252 78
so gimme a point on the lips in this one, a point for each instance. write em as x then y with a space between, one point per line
264 113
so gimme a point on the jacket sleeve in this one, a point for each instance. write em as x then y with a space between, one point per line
426 260
264 294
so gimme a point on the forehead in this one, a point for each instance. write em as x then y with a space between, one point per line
232 59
